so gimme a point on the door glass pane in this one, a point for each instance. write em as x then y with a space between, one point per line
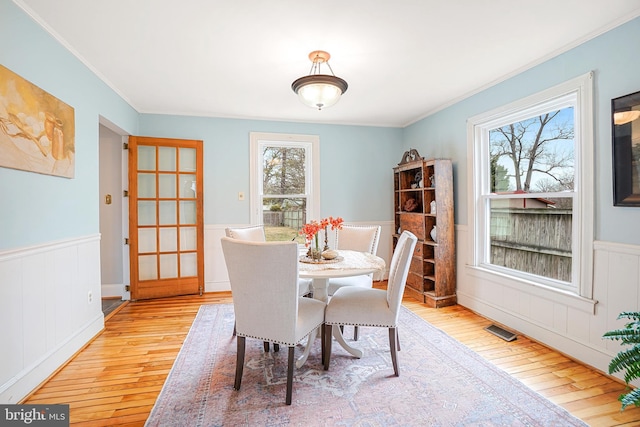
146 212
187 159
147 267
168 239
146 240
187 212
167 212
167 185
146 158
188 238
146 185
188 265
168 266
166 159
187 186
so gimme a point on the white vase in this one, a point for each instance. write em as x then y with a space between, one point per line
433 207
433 234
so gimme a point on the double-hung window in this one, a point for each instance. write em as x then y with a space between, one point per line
284 183
532 188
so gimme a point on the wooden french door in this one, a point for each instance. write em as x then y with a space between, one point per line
166 227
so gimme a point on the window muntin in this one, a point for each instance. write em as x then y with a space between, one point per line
535 225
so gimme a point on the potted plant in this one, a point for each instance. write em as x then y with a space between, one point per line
629 359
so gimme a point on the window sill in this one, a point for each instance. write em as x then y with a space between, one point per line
561 296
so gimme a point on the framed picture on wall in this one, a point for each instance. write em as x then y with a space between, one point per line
37 130
625 123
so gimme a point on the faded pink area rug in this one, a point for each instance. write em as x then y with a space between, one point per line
441 383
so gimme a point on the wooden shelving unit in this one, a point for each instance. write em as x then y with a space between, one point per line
423 198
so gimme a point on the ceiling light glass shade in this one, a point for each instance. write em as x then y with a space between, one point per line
319 90
624 117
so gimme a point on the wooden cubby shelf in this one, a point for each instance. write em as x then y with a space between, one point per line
423 199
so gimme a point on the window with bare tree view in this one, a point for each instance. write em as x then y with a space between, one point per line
531 233
284 184
284 200
529 193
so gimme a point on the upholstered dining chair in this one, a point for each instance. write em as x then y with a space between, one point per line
361 238
255 233
266 303
353 305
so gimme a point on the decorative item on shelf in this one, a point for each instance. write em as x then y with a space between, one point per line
410 156
432 179
432 233
410 205
311 231
417 180
432 206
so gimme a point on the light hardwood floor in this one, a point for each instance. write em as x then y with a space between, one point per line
114 380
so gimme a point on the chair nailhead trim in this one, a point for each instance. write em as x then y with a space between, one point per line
288 344
361 324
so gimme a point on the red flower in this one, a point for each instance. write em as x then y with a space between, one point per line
336 223
311 229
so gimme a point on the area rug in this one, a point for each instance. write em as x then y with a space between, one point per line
441 383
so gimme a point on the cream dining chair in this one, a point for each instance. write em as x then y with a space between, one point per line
263 277
353 305
361 238
255 233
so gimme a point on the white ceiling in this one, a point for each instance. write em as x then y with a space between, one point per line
403 59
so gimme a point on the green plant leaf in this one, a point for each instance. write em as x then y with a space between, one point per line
627 360
631 398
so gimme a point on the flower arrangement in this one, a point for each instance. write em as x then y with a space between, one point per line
312 229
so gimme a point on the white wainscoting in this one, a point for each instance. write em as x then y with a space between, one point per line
573 326
45 313
46 316
215 270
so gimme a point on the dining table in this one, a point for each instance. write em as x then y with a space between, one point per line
347 263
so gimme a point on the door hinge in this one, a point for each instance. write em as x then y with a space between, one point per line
125 193
126 240
125 146
127 288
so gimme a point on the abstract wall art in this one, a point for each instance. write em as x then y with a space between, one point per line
37 130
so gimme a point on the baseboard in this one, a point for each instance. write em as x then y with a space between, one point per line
571 347
31 378
112 290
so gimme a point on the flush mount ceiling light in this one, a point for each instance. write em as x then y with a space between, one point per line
319 90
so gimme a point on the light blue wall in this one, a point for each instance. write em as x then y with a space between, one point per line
38 208
615 59
357 162
356 177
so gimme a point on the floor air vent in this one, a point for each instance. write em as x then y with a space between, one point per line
502 333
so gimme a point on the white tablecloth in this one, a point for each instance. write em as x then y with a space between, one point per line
352 260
